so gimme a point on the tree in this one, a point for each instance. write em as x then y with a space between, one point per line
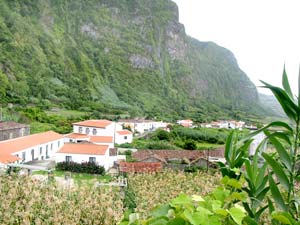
3 87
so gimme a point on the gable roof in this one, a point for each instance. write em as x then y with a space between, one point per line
101 139
11 146
124 132
84 148
94 123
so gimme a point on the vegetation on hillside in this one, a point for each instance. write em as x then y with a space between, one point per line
116 57
183 138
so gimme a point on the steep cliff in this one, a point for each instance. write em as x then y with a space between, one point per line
122 55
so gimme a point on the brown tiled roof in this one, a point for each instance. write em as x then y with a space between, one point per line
94 123
124 132
6 125
176 154
101 139
140 167
84 148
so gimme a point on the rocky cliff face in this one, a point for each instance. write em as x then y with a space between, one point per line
130 55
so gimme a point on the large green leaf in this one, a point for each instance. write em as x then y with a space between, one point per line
286 84
279 172
287 104
272 124
276 194
283 154
237 213
229 147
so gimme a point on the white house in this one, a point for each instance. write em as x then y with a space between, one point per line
87 152
185 123
95 127
123 136
32 147
141 126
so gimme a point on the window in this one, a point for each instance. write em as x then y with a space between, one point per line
23 156
46 147
68 158
87 130
125 137
80 129
51 146
94 131
58 143
92 159
41 150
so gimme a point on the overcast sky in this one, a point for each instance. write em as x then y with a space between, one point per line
262 34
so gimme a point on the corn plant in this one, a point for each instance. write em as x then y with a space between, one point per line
284 164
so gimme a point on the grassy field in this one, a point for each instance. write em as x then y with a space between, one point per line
67 113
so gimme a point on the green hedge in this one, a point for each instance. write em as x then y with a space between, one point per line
85 167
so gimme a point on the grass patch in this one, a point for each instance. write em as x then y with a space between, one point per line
67 113
77 176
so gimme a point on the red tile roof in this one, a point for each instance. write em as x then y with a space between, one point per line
94 123
8 158
124 132
11 146
101 139
84 148
18 144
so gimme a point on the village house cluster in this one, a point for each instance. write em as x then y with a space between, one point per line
90 141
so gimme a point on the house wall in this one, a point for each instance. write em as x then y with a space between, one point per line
143 126
42 151
102 160
120 139
107 131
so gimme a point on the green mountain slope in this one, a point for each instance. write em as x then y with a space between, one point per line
122 55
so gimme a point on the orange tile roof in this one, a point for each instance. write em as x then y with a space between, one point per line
124 132
11 146
6 158
101 139
76 136
94 123
84 148
18 144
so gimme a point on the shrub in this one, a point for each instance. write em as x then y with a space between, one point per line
85 167
190 145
